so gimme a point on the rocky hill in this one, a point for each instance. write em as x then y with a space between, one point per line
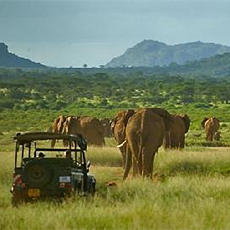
151 53
9 60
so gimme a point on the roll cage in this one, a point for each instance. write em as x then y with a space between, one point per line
26 143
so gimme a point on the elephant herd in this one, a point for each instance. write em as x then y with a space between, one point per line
93 129
139 134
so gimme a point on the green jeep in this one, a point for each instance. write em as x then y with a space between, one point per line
42 172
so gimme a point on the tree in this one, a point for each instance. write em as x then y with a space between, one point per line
85 66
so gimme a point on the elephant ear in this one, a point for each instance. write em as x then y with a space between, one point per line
129 113
113 124
119 116
61 124
187 121
203 122
122 116
167 117
66 124
55 124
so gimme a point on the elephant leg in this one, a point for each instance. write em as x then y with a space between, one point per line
167 142
147 162
173 144
177 144
65 143
53 142
148 152
150 173
135 167
211 136
207 137
134 148
103 141
128 163
182 142
123 154
140 164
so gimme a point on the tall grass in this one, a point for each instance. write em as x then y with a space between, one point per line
190 190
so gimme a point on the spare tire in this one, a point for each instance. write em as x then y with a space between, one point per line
36 174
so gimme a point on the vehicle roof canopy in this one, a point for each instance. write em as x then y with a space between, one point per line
36 136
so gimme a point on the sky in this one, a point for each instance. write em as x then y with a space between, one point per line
67 33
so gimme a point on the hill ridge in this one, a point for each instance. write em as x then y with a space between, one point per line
10 60
150 53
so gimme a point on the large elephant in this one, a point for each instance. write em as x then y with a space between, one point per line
90 127
118 129
211 126
175 138
144 134
57 126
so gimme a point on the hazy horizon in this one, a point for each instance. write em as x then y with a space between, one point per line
71 33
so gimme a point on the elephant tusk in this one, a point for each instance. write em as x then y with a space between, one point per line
122 144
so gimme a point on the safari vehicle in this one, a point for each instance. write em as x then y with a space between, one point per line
42 172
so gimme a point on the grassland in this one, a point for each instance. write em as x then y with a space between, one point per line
190 190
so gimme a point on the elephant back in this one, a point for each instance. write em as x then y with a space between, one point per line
92 130
71 125
167 117
129 113
91 122
216 123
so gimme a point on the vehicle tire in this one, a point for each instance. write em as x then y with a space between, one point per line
36 174
92 188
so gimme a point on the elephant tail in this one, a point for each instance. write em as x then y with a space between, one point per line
140 137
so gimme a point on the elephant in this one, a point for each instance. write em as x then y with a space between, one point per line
144 134
58 126
71 126
92 130
118 129
211 126
107 127
175 138
90 127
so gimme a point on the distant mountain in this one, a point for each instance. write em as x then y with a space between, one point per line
9 60
149 53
